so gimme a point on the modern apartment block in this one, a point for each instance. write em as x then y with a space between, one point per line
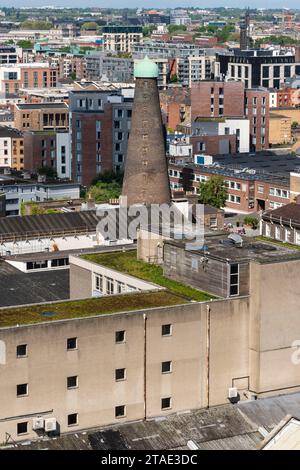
100 66
258 67
11 148
121 38
257 111
42 116
48 149
217 100
9 54
14 77
99 125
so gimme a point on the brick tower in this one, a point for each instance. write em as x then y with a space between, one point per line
146 179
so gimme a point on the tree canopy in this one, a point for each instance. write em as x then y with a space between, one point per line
213 192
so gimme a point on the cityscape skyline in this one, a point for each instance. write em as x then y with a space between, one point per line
276 4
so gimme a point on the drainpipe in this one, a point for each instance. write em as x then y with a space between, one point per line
207 352
145 366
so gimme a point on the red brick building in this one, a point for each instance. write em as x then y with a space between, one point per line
217 99
257 111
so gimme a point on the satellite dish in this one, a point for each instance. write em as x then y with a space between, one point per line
236 238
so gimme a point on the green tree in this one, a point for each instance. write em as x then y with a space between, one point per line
174 78
47 171
213 192
25 44
90 25
174 28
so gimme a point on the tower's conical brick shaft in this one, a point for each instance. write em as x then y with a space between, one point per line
146 179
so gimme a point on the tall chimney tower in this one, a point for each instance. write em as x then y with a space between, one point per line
146 179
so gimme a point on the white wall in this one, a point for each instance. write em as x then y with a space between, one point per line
243 126
5 159
63 139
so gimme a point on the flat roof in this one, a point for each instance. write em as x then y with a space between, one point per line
18 288
42 106
39 313
253 248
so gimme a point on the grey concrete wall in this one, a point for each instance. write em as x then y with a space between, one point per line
80 282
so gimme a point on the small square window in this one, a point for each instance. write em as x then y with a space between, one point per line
72 419
22 390
120 336
72 343
22 428
166 367
72 382
120 374
22 350
166 403
120 411
166 330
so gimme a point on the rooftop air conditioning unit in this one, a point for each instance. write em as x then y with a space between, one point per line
232 392
50 424
37 423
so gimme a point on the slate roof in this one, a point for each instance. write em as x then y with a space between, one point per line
287 213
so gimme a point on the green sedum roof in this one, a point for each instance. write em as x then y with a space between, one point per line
146 68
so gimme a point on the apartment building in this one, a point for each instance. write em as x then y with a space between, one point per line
100 66
14 77
257 111
280 131
99 124
48 149
121 38
11 148
41 116
258 67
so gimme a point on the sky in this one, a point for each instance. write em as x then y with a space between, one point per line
155 3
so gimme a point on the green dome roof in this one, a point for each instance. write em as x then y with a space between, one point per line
146 69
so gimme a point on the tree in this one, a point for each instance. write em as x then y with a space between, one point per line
213 192
174 28
174 78
25 44
48 171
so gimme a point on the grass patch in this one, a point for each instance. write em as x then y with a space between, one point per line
278 242
129 264
85 308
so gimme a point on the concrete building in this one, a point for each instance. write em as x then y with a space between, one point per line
121 38
42 116
146 178
257 111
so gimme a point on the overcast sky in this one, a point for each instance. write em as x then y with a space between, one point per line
155 3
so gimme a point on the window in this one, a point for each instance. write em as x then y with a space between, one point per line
120 336
22 390
234 279
120 411
120 374
72 419
99 283
166 367
22 428
22 350
109 286
72 381
260 189
166 403
166 330
71 343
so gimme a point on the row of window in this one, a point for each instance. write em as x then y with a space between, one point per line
279 192
72 343
72 419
